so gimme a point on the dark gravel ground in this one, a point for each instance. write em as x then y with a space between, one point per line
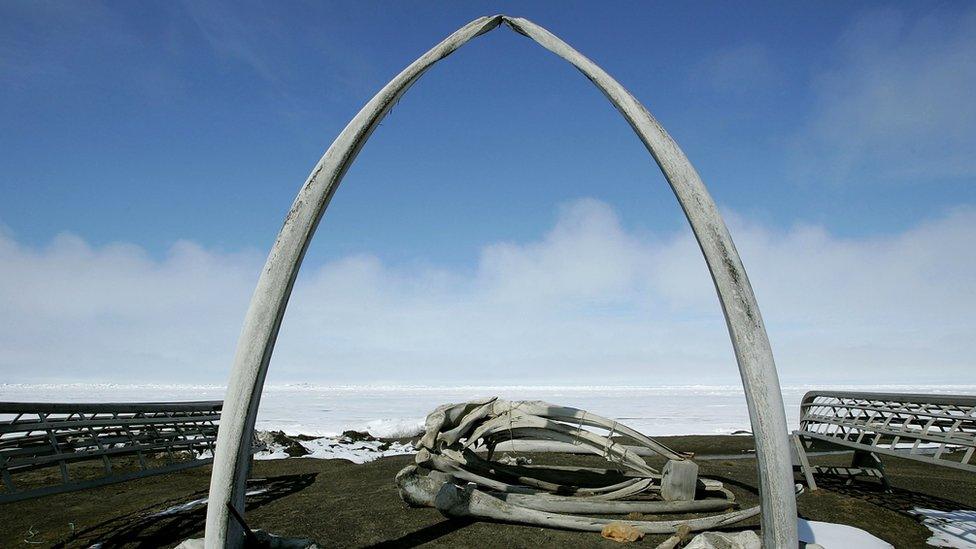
340 504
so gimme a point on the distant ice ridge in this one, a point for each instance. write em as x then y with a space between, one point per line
395 428
398 410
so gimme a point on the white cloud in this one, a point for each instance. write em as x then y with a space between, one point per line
590 301
897 104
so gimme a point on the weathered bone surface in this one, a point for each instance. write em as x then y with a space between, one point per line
469 502
263 320
451 475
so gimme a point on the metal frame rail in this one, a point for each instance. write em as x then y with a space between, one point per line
163 437
936 429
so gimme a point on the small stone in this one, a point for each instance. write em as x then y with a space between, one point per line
357 436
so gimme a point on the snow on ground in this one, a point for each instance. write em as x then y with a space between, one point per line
356 452
387 412
357 449
950 528
838 536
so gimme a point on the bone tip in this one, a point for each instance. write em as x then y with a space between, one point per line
422 457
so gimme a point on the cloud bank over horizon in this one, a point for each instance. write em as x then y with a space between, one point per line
590 301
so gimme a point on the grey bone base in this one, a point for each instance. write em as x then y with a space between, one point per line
422 490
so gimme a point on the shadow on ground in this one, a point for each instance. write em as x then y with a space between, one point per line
173 521
901 501
424 535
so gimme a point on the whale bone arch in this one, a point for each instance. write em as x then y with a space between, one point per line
263 319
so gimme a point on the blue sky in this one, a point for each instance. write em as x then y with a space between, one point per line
135 132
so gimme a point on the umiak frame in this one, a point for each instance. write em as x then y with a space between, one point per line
263 321
901 425
45 435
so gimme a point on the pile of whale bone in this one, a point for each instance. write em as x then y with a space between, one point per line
455 472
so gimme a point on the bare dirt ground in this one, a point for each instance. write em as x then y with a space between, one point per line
341 504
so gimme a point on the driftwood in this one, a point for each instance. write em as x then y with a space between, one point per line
455 472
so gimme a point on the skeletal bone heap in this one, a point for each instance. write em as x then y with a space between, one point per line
455 471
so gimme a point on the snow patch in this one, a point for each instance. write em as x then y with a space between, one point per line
838 536
362 451
355 449
272 451
950 528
